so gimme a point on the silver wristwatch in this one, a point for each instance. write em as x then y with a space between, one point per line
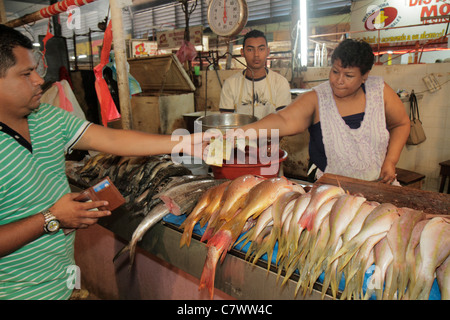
51 224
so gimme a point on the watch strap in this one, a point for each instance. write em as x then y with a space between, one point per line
48 216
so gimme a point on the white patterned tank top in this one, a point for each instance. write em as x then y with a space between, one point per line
357 153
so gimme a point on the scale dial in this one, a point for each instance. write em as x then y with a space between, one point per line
227 18
41 61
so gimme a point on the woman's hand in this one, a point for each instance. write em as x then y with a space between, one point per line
387 173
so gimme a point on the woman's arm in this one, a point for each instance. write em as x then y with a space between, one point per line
398 124
293 119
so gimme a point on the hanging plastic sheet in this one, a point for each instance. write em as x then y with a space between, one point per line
107 106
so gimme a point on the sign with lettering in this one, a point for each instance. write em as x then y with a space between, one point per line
173 39
427 19
143 48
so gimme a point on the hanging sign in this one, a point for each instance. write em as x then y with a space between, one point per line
370 16
173 39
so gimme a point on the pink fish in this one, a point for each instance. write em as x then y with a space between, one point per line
383 259
398 238
207 200
233 199
443 279
319 195
260 197
411 249
434 249
378 221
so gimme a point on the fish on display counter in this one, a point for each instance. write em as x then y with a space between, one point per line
342 235
153 186
323 233
180 202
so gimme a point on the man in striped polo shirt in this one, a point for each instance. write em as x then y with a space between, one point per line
35 255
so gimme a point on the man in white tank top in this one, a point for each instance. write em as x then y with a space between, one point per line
257 85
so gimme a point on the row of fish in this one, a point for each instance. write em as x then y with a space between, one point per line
324 231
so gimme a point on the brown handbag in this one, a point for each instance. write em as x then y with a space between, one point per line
416 134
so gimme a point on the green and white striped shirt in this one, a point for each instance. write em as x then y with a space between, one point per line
31 182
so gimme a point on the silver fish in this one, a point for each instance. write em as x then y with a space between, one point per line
153 217
185 203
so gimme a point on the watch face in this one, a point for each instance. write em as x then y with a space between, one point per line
53 226
226 17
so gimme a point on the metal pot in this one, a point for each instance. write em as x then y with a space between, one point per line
189 118
224 121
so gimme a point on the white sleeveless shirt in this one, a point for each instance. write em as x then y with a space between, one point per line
357 153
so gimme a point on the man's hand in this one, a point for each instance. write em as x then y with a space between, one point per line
74 214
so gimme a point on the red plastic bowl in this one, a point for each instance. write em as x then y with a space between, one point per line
233 171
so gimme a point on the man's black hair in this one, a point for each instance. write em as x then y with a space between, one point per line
9 39
354 53
254 34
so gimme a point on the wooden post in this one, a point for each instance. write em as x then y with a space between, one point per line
121 63
2 12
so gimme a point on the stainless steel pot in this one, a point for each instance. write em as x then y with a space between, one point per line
224 121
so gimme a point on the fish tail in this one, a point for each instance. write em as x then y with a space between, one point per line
297 287
346 256
381 283
387 284
393 286
209 271
123 250
187 232
209 232
266 247
325 259
402 281
185 238
217 246
326 281
132 256
290 269
250 251
304 244
417 287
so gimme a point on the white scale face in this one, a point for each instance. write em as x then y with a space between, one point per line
227 17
